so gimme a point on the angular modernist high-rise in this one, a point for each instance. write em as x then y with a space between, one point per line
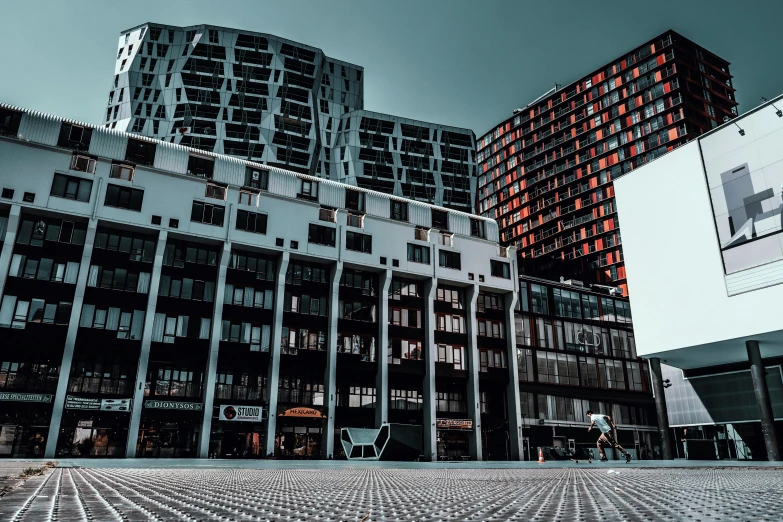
545 173
266 99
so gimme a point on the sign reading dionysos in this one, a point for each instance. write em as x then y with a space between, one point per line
230 412
173 405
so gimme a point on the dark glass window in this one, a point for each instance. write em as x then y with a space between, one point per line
251 221
123 197
321 235
70 187
206 213
450 259
358 242
500 269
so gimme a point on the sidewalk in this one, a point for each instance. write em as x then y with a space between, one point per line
19 465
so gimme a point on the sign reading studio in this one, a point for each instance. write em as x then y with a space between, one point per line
230 412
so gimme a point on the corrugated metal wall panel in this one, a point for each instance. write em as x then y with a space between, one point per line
108 144
331 195
459 224
492 231
378 205
283 184
419 215
39 128
173 159
229 171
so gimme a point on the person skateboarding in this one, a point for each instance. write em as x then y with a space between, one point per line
605 424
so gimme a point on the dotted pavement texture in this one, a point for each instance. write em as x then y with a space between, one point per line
365 495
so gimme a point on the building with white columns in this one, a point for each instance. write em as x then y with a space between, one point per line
163 301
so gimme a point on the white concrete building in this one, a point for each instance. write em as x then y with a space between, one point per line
159 300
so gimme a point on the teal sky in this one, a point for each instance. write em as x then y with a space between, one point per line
456 62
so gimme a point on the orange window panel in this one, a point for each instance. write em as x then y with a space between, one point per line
672 134
602 163
661 59
599 244
658 75
610 191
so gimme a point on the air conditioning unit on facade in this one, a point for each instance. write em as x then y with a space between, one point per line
327 214
83 164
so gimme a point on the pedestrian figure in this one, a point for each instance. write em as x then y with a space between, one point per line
605 424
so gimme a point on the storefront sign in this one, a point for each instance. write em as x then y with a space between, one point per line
229 412
25 397
303 412
89 403
454 424
173 405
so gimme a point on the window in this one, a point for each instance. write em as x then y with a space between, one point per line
321 235
175 382
70 187
488 301
166 328
491 359
449 323
178 253
117 279
407 317
418 253
362 345
327 214
304 273
452 354
478 228
421 234
450 295
74 136
557 368
206 213
308 189
16 313
400 288
355 220
256 178
8 193
257 336
139 247
410 400
28 197
354 200
187 288
500 269
491 328
440 219
83 163
263 268
567 303
248 297
123 197
127 323
215 191
141 152
307 305
251 221
44 269
358 242
356 397
403 349
200 166
123 172
540 299
450 259
365 281
34 233
247 197
399 210
357 311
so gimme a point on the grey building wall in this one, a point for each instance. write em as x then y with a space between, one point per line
267 99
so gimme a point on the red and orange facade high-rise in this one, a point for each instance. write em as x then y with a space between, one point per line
545 174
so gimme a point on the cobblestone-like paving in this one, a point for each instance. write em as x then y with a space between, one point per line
579 494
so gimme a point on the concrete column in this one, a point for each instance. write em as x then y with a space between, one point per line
70 341
660 408
212 358
8 245
474 397
273 377
758 373
430 448
330 379
382 351
512 390
146 341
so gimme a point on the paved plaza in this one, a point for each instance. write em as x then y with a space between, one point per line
572 492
